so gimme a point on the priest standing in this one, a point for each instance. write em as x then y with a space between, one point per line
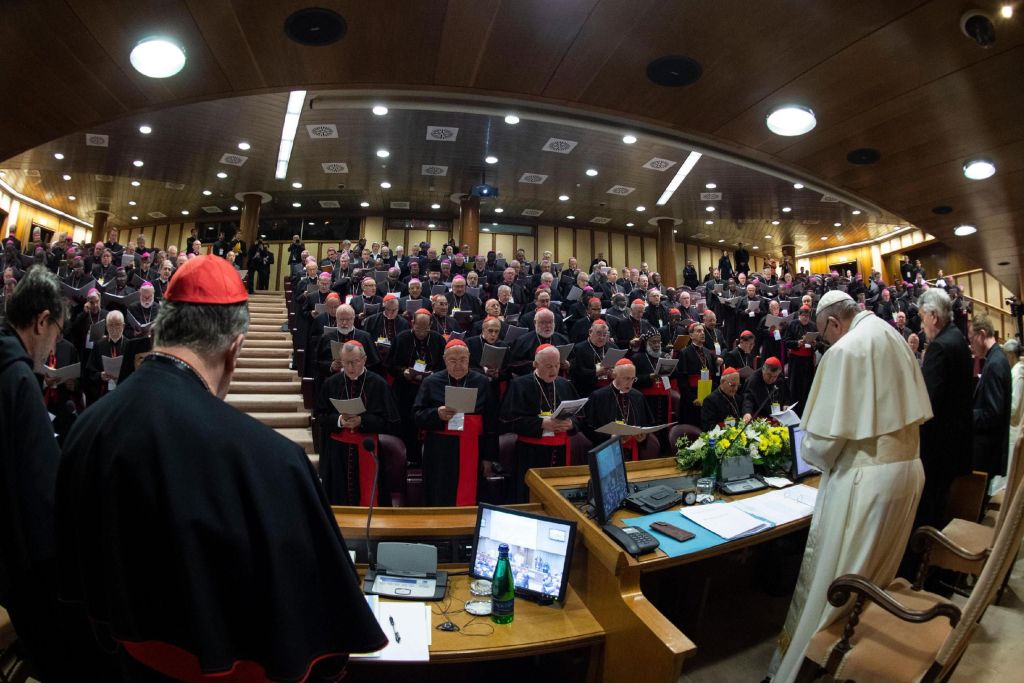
619 402
871 472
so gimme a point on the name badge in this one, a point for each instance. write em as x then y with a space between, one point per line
750 313
88 342
718 350
777 335
456 310
620 422
666 382
776 408
597 367
544 413
382 340
420 366
705 374
730 421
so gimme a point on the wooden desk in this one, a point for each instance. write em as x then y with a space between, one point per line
608 578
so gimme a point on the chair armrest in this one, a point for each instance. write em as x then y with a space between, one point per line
841 589
926 535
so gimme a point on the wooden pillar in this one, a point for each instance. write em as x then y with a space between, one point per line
469 224
99 226
248 229
667 252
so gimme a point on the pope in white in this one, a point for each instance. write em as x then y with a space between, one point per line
861 424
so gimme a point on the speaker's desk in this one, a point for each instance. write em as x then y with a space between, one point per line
537 630
640 640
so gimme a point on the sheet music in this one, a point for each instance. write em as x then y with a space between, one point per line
563 351
73 371
612 356
567 409
460 399
493 356
666 366
349 406
112 366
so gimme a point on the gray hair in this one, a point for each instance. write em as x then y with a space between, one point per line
1012 346
504 288
935 300
206 329
37 291
844 309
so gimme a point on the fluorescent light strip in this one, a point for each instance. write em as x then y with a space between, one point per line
46 207
291 123
680 176
877 240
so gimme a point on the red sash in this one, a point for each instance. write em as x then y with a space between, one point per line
658 390
559 440
469 458
633 446
365 461
801 352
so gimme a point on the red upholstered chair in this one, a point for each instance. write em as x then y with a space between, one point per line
578 447
394 467
651 448
679 430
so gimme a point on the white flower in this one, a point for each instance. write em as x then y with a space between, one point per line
696 445
716 432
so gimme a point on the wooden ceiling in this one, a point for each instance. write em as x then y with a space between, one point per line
897 76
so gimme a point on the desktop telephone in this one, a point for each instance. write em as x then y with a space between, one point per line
633 540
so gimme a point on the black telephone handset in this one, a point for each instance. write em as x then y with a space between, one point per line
635 541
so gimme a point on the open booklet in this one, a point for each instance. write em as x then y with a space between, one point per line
73 371
612 356
492 357
787 417
567 409
349 406
620 429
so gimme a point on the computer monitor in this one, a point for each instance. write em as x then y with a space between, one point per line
800 468
540 550
608 479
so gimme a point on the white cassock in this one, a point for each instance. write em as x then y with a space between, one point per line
1016 419
860 427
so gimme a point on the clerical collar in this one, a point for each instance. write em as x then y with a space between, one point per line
179 364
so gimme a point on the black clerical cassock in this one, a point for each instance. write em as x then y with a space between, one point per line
586 359
718 407
451 458
608 404
94 385
528 401
420 356
695 363
761 398
525 348
346 467
187 547
801 361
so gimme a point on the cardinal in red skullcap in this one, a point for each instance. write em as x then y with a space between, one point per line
619 403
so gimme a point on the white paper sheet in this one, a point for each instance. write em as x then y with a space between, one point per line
460 399
778 507
349 406
725 520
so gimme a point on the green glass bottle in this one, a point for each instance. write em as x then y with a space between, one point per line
503 589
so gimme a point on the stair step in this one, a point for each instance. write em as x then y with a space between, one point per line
251 363
303 437
280 420
284 342
274 373
258 335
266 327
265 387
266 352
266 402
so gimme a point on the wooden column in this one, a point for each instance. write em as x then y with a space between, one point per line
667 252
469 224
99 226
249 224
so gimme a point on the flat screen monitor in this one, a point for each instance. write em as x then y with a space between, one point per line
608 479
801 468
540 550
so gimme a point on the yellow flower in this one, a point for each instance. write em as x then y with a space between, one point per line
724 444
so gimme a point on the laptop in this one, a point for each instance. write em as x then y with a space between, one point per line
800 468
738 476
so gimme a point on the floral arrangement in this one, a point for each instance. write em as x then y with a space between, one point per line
765 441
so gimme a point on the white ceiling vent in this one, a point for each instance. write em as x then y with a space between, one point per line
442 133
174 186
659 164
433 169
329 204
103 200
212 209
399 205
600 220
710 196
533 178
532 212
31 173
322 131
157 214
620 190
97 140
559 145
104 178
335 167
829 198
233 159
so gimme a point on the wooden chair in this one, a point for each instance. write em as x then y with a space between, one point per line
964 545
901 634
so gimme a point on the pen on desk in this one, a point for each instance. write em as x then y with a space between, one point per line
398 638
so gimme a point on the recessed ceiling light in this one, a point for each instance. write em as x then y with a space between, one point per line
66 177
591 172
244 146
491 159
856 212
145 130
233 207
786 209
296 205
380 110
1006 11
383 153
157 57
499 210
709 222
711 186
641 208
720 241
709 208
207 193
364 204
297 185
563 197
138 163
135 183
385 185
435 206
570 218
979 169
775 222
511 119
679 177
132 202
629 139
790 120
135 218
493 223
222 175
292 112
964 230
756 247
430 225
58 156
767 237
798 186
630 225
184 212
72 197
836 225
311 223
824 237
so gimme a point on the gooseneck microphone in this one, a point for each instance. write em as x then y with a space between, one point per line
368 445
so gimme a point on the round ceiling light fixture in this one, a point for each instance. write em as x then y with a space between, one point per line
711 186
138 163
591 172
66 177
145 130
296 205
383 153
233 207
641 209
72 197
786 209
385 185
798 186
674 71
380 110
297 185
709 222
244 146
837 225
135 218
630 225
775 222
132 202
364 204
964 230
790 120
315 26
58 156
207 193
184 212
157 57
629 139
570 218
563 197
856 212
491 159
709 209
435 205
222 175
979 169
499 210
135 183
511 119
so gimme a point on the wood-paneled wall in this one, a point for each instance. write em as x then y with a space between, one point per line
23 215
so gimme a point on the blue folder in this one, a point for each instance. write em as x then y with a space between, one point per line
703 539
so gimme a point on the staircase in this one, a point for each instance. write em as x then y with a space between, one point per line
263 386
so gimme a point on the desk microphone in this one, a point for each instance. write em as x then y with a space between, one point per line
369 446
